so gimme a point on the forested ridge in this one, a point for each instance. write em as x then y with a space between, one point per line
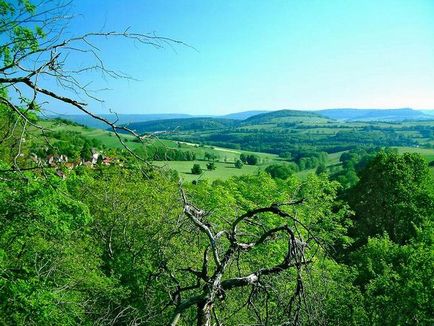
96 234
289 131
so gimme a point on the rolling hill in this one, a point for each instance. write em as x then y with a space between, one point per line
375 114
291 131
259 117
271 119
88 121
429 112
282 116
187 124
242 115
226 139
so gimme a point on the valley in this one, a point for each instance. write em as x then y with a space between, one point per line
304 139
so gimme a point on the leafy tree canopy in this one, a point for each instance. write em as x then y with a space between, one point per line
392 196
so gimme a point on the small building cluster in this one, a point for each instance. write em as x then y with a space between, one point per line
58 161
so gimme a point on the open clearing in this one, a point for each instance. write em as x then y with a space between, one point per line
223 170
427 153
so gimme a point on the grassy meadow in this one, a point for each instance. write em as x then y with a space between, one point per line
223 170
225 156
426 153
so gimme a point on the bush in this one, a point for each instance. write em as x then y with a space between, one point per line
210 156
238 164
279 171
196 169
321 169
249 159
211 166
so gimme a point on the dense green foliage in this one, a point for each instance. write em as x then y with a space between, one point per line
50 267
352 162
157 152
211 166
397 280
249 159
72 144
280 171
392 196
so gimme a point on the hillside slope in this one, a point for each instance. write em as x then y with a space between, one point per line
88 121
282 116
189 124
242 115
374 114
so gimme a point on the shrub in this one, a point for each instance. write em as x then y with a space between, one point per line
211 166
279 171
196 169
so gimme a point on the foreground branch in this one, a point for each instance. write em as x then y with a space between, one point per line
215 286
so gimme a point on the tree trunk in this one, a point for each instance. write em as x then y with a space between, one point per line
204 313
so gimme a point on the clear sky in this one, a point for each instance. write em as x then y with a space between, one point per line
267 55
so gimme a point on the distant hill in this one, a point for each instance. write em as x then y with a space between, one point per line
374 114
86 120
282 116
189 124
242 115
248 118
291 132
273 118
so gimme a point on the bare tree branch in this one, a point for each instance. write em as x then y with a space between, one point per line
46 53
215 285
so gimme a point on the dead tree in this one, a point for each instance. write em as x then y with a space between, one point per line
211 276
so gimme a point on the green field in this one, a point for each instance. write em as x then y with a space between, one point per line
225 156
107 138
223 170
283 132
426 153
110 140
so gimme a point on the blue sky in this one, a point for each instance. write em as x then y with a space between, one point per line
274 54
